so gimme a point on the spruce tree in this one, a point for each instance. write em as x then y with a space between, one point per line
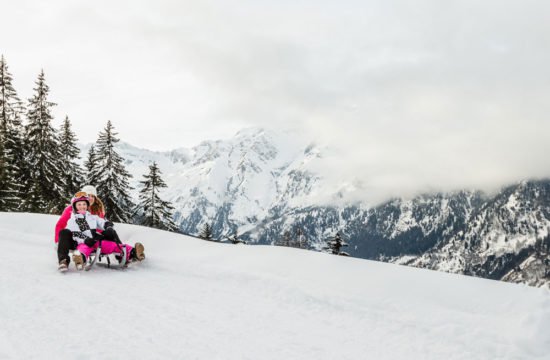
90 165
206 232
17 151
152 211
45 183
73 174
8 196
111 178
335 244
11 140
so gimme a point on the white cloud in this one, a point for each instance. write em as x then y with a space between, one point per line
416 95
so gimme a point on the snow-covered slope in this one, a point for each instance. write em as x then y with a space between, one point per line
193 299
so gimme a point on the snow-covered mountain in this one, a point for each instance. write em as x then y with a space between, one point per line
262 184
503 237
193 299
235 183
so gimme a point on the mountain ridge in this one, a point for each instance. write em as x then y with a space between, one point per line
261 184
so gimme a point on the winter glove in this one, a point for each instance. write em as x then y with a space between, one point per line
95 235
108 224
90 242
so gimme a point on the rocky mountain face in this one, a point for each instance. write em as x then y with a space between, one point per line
262 184
505 236
501 237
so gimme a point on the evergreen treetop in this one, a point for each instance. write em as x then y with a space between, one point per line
111 177
151 209
335 244
45 184
11 142
90 165
206 232
74 176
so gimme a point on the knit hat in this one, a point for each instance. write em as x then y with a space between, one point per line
80 196
90 190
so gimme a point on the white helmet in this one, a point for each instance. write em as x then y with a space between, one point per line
90 190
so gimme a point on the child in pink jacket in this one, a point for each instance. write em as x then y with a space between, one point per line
82 233
96 208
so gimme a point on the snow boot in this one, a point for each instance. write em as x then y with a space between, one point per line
138 252
63 267
79 260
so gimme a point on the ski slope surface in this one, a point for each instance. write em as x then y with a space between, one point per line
193 299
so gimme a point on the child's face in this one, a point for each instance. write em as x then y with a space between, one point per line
81 206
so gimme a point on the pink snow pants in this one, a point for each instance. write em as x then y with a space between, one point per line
107 247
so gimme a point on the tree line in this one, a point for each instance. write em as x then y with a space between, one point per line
40 171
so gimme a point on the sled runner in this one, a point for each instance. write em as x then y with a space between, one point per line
97 256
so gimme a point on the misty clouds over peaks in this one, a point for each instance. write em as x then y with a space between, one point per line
409 96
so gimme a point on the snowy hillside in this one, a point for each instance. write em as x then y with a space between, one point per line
193 299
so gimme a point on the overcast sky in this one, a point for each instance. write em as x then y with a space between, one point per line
412 94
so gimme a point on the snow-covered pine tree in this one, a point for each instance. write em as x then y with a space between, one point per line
206 232
335 244
70 153
11 143
89 166
8 195
17 151
45 184
151 210
111 177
